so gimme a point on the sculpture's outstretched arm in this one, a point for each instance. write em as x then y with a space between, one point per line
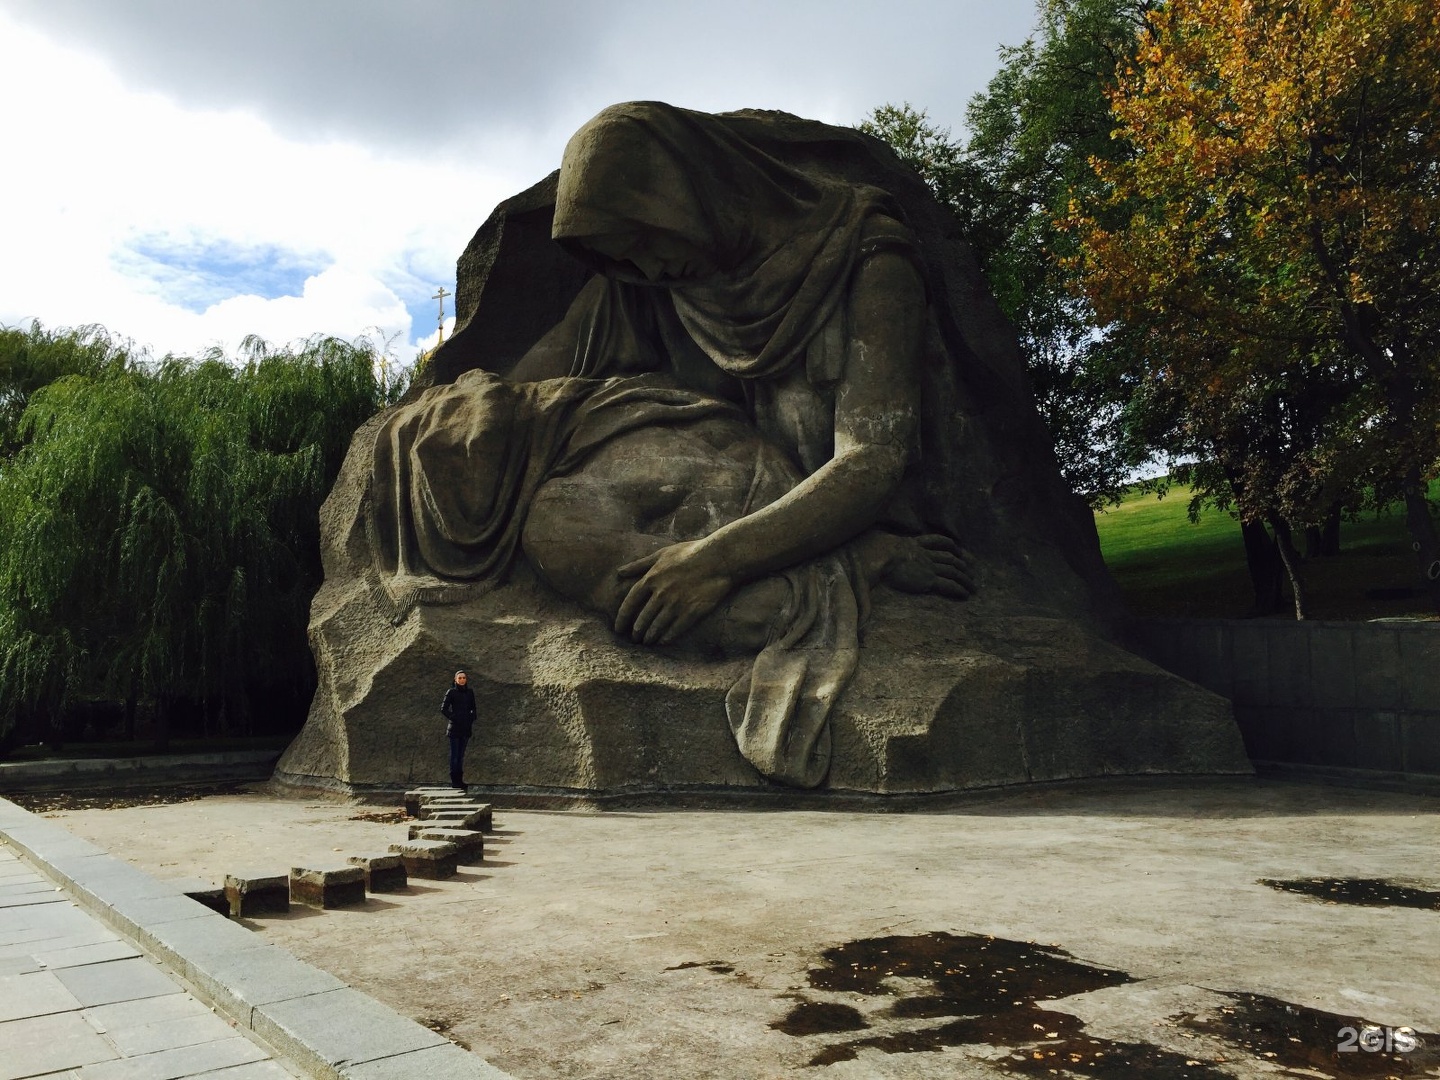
876 410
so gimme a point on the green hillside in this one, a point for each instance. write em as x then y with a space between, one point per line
1166 565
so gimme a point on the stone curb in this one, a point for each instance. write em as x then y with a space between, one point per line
320 1026
68 774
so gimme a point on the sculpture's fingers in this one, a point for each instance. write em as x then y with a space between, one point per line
953 589
668 625
945 558
937 542
652 610
684 619
638 566
956 575
631 606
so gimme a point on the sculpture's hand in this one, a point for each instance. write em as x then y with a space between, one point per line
679 585
930 564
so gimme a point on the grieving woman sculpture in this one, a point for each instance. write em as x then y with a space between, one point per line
781 384
716 262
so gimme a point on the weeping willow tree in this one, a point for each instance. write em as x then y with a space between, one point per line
159 534
33 358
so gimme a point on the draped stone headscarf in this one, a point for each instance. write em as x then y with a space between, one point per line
785 242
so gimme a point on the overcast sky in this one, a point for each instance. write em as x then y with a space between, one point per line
186 172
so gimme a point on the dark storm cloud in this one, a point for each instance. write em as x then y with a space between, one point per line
465 72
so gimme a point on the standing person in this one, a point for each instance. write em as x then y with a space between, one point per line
458 708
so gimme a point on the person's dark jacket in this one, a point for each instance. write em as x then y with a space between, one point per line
459 708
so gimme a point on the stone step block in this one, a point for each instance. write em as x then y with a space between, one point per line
487 816
471 842
257 894
327 887
416 798
412 801
465 817
383 873
428 858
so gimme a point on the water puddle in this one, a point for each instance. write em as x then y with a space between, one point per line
1365 892
988 991
1328 1043
990 987
820 1018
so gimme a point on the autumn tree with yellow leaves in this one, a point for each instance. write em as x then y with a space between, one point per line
1273 236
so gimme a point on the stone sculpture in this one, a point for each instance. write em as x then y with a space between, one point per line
753 377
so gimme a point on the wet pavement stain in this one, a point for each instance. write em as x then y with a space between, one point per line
1295 1036
991 986
1365 892
969 973
820 1018
1041 1043
990 990
719 967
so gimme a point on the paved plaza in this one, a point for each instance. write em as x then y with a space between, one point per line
1108 930
78 1003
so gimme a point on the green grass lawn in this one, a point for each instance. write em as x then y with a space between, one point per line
1165 565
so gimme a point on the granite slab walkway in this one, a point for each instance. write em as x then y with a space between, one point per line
77 1001
93 955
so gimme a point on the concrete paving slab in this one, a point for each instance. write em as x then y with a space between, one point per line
147 912
49 1044
118 980
113 880
134 1041
35 994
255 1070
145 1011
49 896
173 1064
54 939
80 955
21 888
447 1062
18 965
41 832
340 1028
242 981
189 943
56 919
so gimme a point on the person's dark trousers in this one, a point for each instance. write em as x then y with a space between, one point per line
457 759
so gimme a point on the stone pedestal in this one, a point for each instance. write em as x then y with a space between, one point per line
330 887
383 873
471 842
433 859
947 697
257 894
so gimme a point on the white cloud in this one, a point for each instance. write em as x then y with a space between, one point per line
96 168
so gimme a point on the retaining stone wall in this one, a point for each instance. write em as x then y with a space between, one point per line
1359 698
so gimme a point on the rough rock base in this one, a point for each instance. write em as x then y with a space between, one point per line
947 697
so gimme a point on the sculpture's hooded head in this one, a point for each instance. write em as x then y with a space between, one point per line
646 178
756 251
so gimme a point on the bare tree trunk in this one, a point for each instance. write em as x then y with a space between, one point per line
1291 558
1425 541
